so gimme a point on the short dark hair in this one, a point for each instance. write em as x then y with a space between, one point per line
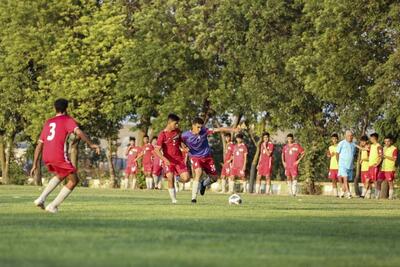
131 138
374 135
198 120
364 138
265 134
154 137
335 135
61 105
389 137
173 117
240 136
290 135
228 134
145 136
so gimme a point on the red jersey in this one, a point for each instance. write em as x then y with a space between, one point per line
54 135
291 153
170 143
147 154
229 151
264 157
132 155
239 154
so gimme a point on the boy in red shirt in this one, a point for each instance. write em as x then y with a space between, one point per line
292 154
239 161
157 167
226 168
168 149
52 146
264 167
147 161
132 154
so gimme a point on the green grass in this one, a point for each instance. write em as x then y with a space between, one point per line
97 227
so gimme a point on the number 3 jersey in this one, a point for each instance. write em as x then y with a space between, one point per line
54 135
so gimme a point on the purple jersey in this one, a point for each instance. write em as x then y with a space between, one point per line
198 143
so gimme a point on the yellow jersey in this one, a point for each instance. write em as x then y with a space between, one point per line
365 163
334 163
375 152
387 164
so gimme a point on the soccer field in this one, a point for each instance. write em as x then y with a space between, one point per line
100 227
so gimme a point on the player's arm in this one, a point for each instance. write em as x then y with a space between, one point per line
157 151
362 148
226 130
301 157
38 152
329 154
380 157
283 159
83 137
139 156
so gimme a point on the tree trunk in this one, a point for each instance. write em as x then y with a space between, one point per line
8 150
110 162
253 168
38 173
2 157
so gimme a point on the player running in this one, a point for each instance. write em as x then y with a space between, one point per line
200 155
264 167
157 166
132 154
169 150
226 167
364 146
333 166
388 165
374 161
239 162
292 154
52 145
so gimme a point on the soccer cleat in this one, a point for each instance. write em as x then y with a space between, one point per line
194 201
174 201
39 203
202 189
349 197
51 209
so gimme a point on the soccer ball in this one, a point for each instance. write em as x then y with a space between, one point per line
235 200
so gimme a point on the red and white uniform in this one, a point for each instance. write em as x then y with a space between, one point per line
157 166
170 143
239 156
148 155
53 136
131 163
291 154
226 168
265 161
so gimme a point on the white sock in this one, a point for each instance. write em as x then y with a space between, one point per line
64 193
363 192
267 189
290 187
223 185
149 182
231 186
53 183
377 193
155 179
195 189
391 193
172 194
133 186
258 187
368 193
207 181
335 192
294 187
126 183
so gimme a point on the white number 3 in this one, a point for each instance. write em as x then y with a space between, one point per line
52 131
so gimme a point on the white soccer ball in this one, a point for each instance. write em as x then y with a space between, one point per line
235 199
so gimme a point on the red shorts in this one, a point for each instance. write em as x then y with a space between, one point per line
373 173
205 163
131 169
61 169
176 168
264 170
387 176
226 169
237 172
364 176
333 174
292 171
147 167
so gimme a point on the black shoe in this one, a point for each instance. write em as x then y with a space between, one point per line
202 189
194 201
362 196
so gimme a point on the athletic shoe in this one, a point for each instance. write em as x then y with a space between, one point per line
39 203
194 201
202 188
51 209
174 201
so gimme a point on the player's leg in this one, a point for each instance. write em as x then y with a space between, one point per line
231 185
64 193
195 184
346 188
53 183
223 183
268 185
391 188
258 184
171 186
334 187
148 178
133 180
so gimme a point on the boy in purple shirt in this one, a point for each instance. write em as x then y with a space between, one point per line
200 154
